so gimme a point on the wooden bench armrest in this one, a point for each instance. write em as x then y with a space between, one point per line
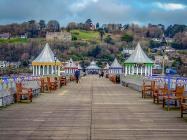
184 104
184 98
26 88
146 85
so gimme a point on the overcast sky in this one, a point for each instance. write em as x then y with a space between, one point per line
104 11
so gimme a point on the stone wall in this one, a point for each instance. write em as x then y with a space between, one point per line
59 36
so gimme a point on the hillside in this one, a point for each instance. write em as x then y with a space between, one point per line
13 40
85 35
86 47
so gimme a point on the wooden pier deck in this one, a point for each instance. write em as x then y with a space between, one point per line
94 109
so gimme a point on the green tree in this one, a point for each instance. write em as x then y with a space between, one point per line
53 26
42 24
127 38
172 30
177 63
97 25
95 52
74 37
101 33
109 40
88 24
153 44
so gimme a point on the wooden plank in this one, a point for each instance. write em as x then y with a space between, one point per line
93 109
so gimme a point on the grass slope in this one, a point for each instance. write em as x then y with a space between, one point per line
13 40
85 35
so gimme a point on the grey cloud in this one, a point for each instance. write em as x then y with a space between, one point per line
104 11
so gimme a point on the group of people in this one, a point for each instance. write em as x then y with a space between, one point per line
101 74
77 75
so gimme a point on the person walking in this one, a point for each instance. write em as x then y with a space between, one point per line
102 74
77 76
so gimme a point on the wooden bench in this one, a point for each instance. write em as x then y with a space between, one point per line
63 81
112 78
159 92
72 78
34 85
23 93
51 85
183 107
146 89
174 95
42 85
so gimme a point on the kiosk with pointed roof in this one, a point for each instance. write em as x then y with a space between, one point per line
93 68
79 67
138 63
70 67
46 63
116 68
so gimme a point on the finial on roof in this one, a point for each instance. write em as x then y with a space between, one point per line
107 66
70 64
115 64
46 55
138 56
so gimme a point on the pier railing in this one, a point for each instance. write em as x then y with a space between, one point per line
8 87
170 80
137 81
10 82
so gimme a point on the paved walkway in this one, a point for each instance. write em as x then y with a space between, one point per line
94 109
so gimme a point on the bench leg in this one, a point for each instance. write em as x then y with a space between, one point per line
153 99
168 104
157 99
18 98
181 112
163 103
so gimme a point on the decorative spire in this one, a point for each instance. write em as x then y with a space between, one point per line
138 56
115 64
70 64
79 67
107 66
93 65
46 55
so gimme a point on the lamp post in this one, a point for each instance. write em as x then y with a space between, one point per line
55 58
163 60
83 64
70 67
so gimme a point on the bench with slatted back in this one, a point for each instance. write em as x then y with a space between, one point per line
183 106
146 89
51 84
173 95
23 93
63 81
159 92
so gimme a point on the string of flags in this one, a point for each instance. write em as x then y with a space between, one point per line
6 80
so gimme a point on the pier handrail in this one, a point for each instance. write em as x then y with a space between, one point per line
171 80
